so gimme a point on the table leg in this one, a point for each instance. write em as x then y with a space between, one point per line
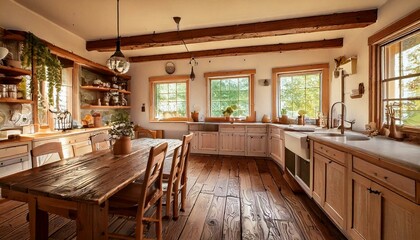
92 221
38 221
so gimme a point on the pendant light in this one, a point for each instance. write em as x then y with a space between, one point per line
193 62
117 62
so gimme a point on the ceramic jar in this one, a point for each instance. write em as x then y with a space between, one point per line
122 146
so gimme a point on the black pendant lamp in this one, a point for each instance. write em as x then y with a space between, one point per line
117 62
193 63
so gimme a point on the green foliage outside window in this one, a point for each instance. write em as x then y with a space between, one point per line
401 79
227 92
301 91
170 100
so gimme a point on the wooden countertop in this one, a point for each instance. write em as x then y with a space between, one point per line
11 142
54 134
402 157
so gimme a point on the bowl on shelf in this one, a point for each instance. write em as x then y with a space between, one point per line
3 52
13 63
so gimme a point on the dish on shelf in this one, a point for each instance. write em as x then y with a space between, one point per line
2 119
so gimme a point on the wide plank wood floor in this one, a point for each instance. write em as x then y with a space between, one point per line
228 198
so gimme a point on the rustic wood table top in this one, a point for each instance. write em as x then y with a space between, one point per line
91 178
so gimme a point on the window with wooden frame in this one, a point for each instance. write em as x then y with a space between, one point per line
394 75
300 88
233 89
169 98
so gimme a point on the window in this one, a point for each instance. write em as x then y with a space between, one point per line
400 79
301 88
169 98
230 89
394 56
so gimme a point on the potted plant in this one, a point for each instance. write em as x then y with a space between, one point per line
121 132
228 111
301 117
284 118
47 68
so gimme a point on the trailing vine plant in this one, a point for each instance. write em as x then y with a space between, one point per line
47 68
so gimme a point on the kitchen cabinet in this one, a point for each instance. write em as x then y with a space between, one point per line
276 146
205 142
377 212
208 142
14 157
256 145
256 141
232 143
329 182
232 140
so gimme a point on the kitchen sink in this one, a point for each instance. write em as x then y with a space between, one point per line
348 137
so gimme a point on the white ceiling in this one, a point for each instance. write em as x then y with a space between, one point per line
96 19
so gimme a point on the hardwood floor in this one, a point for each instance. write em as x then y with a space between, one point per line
228 198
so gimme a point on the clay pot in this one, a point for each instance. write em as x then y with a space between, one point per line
284 119
122 146
194 116
301 120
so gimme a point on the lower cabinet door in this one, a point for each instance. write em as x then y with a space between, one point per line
399 217
335 194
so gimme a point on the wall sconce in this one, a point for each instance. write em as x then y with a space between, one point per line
264 82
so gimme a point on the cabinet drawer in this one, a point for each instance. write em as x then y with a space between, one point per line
274 131
75 139
256 129
381 175
231 128
11 151
332 153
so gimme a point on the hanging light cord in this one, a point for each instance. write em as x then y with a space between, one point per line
185 45
118 19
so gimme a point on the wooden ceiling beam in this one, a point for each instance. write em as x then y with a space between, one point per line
319 23
331 43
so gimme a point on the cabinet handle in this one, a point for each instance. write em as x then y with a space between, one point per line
374 191
330 161
386 178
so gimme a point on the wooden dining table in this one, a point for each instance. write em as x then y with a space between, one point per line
79 188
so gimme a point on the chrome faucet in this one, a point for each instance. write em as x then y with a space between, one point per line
343 111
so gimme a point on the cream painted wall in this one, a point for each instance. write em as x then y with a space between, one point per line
263 63
14 16
355 44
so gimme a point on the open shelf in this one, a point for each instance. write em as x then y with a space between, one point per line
356 95
13 100
12 71
104 89
104 107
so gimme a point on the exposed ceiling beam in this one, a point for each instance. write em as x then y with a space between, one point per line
319 23
331 43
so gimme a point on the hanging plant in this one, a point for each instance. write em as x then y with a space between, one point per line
48 67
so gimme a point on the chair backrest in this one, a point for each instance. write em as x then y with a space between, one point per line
47 148
152 189
178 173
145 133
100 142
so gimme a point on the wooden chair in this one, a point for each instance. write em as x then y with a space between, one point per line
47 148
100 142
176 180
144 133
135 199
